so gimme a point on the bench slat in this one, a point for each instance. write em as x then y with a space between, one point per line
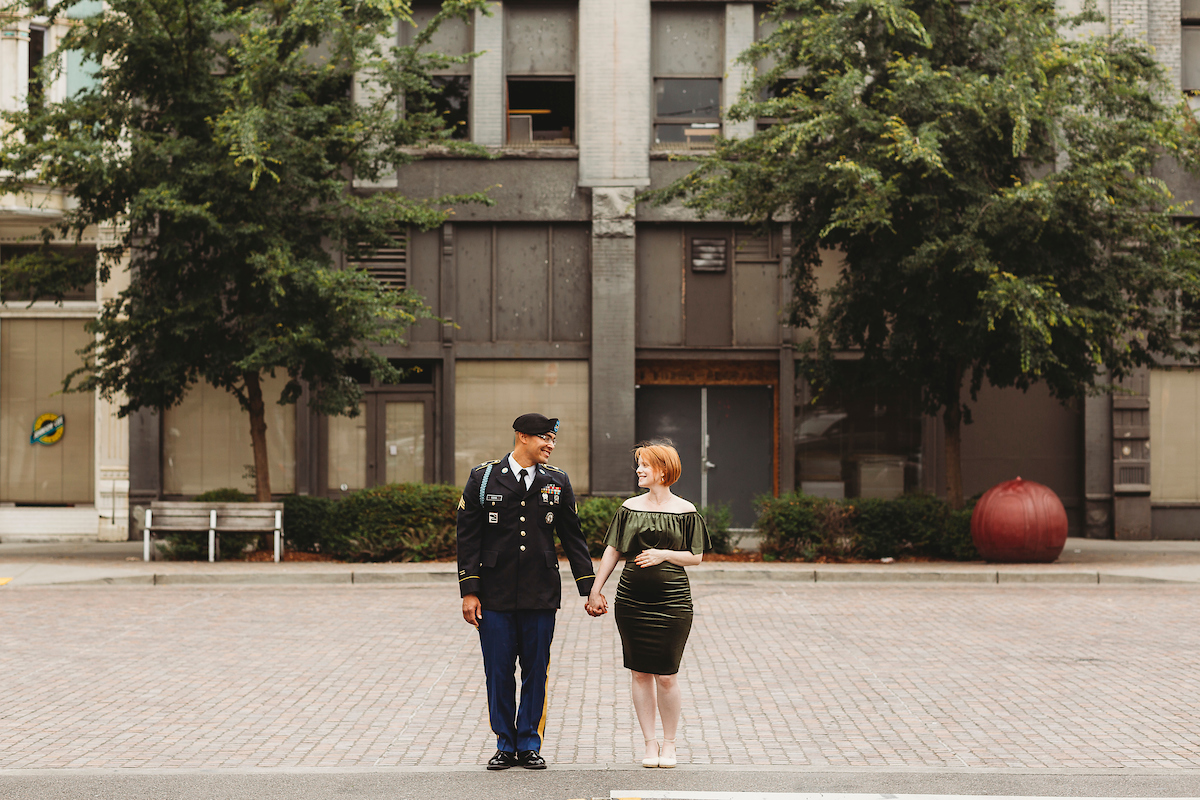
183 522
236 524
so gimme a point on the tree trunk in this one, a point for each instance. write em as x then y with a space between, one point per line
952 423
258 438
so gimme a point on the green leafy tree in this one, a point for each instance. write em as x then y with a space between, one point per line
220 140
984 170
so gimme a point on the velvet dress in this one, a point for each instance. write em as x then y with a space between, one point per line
653 607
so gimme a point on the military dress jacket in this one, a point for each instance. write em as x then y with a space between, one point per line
506 534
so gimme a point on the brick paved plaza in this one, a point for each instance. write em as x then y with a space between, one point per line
863 675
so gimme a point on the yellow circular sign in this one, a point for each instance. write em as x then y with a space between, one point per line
48 429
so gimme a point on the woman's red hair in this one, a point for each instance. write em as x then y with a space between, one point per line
662 457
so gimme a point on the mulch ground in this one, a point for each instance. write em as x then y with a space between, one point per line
296 555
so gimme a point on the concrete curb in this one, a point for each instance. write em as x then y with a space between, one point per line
718 576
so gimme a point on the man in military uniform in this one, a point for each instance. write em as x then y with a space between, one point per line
509 580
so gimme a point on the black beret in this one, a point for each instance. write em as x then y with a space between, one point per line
534 424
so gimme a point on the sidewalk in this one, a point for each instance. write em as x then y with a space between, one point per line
1084 561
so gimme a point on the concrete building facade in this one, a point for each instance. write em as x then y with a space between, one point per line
626 321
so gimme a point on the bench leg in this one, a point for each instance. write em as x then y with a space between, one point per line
278 547
146 544
212 545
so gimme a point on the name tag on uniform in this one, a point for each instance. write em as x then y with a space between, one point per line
495 498
493 516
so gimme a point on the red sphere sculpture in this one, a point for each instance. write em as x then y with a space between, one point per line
1019 522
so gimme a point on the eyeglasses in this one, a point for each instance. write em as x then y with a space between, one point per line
546 437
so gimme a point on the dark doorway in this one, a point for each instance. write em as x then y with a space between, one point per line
725 439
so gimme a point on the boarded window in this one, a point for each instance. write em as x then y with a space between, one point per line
346 464
206 442
483 430
35 356
452 38
1174 435
523 283
540 39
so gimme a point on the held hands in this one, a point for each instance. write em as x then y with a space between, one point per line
651 557
596 605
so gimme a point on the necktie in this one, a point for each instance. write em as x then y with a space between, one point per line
524 475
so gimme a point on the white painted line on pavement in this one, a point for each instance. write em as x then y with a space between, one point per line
653 794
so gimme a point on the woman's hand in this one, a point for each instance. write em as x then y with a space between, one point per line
651 557
596 605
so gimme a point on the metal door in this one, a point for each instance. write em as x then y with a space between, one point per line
724 435
739 453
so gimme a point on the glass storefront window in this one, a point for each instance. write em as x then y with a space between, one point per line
852 442
489 395
35 356
404 459
206 442
347 452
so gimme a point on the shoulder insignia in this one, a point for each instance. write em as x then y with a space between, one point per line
484 464
462 501
554 469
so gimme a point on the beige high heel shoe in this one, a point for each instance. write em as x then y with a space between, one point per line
651 761
665 761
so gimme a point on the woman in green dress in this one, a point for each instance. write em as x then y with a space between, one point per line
658 534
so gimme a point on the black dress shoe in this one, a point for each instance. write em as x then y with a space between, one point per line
503 760
530 759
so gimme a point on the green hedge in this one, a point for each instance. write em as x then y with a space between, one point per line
416 522
395 522
800 527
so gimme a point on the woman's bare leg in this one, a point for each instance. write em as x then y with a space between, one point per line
644 702
670 701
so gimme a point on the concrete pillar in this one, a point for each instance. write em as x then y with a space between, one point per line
1097 467
614 93
1166 37
448 307
739 35
14 64
145 465
613 342
487 79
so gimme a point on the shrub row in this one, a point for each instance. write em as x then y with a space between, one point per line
800 527
395 522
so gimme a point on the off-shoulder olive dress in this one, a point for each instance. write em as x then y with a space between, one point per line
653 608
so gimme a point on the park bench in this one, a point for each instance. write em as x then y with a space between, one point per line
165 516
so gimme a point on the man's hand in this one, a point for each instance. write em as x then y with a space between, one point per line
472 609
596 605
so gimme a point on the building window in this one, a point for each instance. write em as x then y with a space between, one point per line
764 28
1174 444
855 442
451 97
539 58
37 52
1190 46
688 60
483 431
206 442
9 252
35 356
